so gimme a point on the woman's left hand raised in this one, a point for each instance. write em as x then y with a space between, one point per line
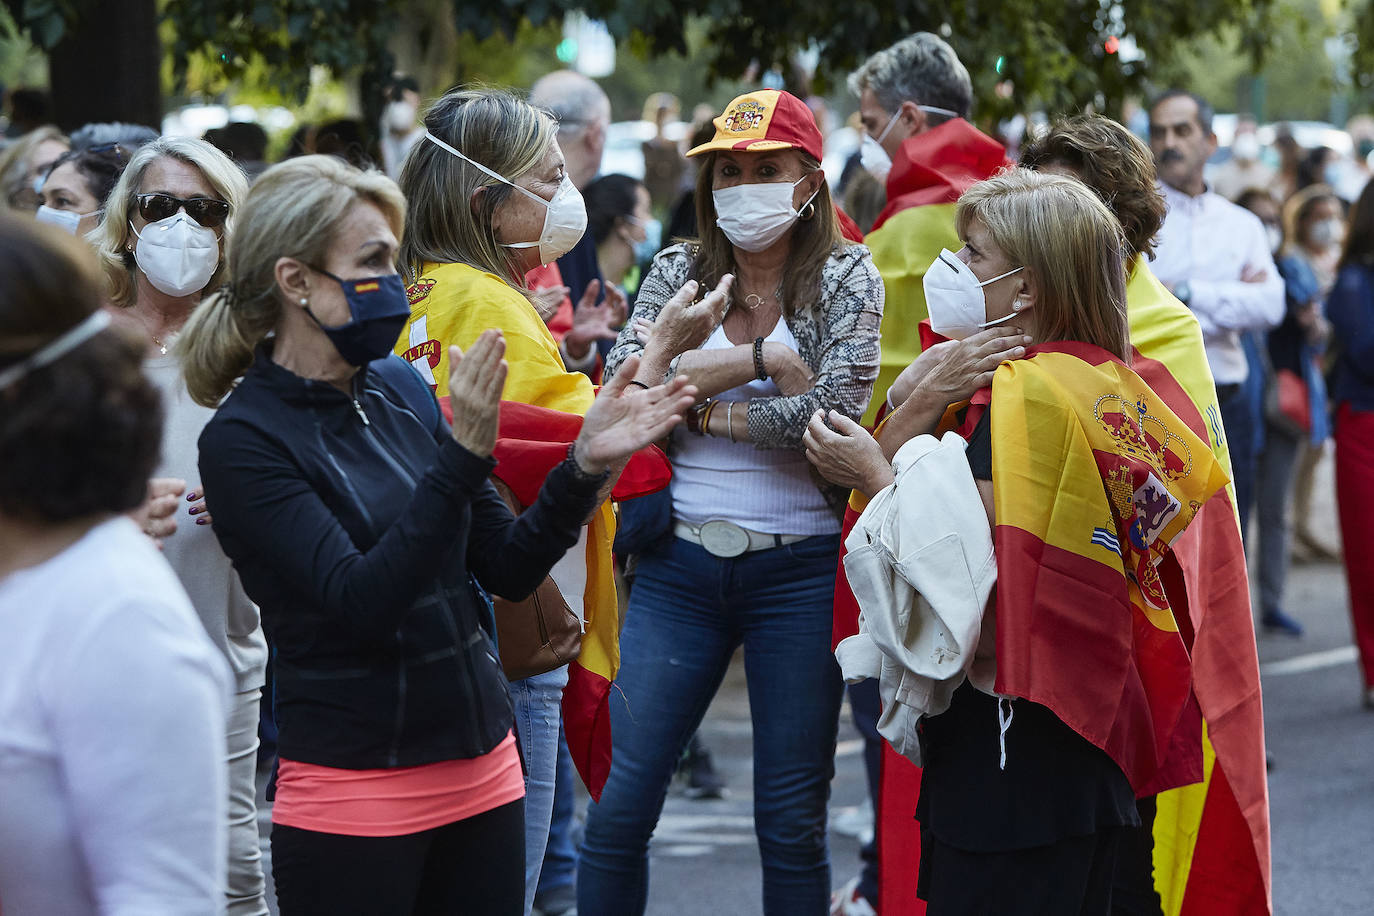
624 418
847 455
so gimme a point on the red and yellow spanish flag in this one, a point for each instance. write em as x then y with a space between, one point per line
454 304
1094 480
1211 839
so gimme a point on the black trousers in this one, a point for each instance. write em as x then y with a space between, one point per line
1072 876
472 866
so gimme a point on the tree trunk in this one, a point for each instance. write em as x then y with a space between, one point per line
108 67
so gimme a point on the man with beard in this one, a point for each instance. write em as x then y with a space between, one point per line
1214 256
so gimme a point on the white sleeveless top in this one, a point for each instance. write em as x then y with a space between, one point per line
767 490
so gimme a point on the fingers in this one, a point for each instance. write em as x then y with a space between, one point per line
589 296
616 386
819 432
165 486
845 425
684 295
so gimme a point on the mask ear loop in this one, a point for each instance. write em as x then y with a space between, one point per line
808 209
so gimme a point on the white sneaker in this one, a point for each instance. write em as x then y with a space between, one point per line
847 901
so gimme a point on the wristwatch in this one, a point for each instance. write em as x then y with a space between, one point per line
1183 291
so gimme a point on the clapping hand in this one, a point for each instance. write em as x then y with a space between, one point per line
593 321
547 300
684 324
625 418
475 382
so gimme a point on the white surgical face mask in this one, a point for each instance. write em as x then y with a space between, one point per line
177 254
565 216
754 216
1245 147
1327 233
954 297
399 116
872 156
64 218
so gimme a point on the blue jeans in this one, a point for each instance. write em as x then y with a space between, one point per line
560 859
538 711
688 613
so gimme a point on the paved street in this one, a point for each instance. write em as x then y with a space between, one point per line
705 862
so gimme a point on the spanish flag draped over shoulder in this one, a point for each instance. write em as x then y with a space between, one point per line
1211 839
1094 480
454 304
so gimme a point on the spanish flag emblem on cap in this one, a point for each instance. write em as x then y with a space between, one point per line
769 119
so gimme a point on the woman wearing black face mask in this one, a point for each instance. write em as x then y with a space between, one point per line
355 515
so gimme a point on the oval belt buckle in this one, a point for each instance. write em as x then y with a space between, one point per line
724 539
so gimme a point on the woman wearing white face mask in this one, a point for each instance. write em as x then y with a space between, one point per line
749 558
490 200
74 189
167 223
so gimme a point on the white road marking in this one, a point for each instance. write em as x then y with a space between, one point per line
1312 661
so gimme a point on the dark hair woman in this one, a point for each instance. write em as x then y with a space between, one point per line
112 698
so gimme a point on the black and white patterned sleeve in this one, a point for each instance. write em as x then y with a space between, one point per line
669 271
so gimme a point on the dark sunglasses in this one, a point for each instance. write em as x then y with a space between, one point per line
207 211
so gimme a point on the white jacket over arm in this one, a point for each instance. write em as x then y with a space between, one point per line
921 565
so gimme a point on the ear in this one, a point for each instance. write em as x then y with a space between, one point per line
475 198
913 116
1027 295
1211 145
292 279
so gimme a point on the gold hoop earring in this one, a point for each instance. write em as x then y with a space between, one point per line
807 212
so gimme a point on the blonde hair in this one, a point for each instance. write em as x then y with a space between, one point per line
294 210
446 224
14 162
1069 242
111 237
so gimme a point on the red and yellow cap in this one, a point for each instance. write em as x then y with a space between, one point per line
769 119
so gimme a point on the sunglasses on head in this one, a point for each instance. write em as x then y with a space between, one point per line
207 211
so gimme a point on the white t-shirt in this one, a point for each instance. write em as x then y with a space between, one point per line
113 707
766 490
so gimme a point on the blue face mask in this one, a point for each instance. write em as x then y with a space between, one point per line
653 239
379 311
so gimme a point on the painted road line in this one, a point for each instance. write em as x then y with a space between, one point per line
1312 661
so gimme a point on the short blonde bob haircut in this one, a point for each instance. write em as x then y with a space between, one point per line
446 223
1068 242
114 237
294 210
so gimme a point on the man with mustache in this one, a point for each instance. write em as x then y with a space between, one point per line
1214 256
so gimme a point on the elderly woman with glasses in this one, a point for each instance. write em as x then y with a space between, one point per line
162 241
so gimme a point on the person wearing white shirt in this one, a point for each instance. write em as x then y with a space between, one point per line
113 700
1214 256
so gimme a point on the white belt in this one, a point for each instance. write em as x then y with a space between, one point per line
726 539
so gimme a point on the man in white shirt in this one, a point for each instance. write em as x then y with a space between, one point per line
1215 258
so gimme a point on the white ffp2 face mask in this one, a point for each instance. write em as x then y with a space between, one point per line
954 297
754 216
565 216
177 254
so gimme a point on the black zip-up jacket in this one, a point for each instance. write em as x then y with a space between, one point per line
354 521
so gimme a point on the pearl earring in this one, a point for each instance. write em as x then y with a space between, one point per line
304 301
1016 306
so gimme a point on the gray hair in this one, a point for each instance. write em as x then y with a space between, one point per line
575 101
920 68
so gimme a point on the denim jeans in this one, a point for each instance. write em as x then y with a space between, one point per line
560 859
538 711
688 613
